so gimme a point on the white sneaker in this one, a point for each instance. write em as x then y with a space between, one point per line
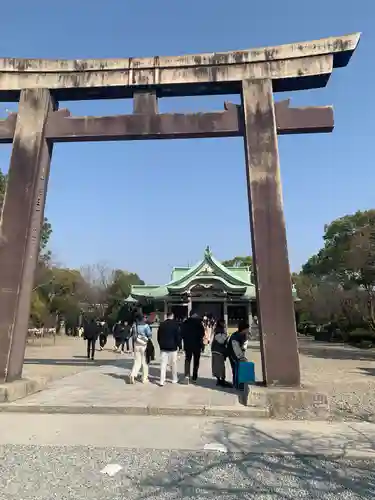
174 381
145 381
130 379
161 384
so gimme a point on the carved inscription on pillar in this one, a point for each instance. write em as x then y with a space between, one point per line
22 218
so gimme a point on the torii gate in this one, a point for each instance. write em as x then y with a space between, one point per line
256 74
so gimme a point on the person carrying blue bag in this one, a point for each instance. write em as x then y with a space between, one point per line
236 349
219 353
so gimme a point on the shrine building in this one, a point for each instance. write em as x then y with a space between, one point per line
208 287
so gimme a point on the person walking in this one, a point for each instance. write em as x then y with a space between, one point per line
103 334
192 333
91 336
169 340
207 335
141 335
118 335
126 336
219 353
237 348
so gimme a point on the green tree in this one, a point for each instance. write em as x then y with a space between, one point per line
39 314
348 259
3 186
61 290
118 291
246 261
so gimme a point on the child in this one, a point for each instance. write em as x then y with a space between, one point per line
219 353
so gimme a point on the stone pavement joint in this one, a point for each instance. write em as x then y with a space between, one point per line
197 411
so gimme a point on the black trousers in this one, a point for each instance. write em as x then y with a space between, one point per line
234 366
91 348
102 339
195 355
121 343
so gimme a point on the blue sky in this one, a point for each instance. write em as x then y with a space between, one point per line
147 206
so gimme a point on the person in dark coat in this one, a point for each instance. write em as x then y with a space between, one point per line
192 332
150 352
219 353
169 340
119 336
126 337
103 334
236 348
91 335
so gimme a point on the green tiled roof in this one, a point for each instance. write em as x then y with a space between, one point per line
178 272
208 269
234 279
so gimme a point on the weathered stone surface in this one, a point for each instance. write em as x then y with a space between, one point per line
22 218
62 127
276 316
21 388
183 411
333 45
305 403
290 72
286 64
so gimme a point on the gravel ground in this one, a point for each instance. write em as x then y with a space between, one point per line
347 374
344 373
45 473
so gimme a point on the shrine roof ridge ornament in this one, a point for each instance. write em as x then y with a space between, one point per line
293 66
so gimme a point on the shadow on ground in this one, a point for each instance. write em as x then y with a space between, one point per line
77 361
240 475
154 377
367 370
334 351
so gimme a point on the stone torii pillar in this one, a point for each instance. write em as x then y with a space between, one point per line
21 223
276 317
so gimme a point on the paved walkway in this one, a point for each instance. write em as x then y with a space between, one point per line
346 374
101 385
170 458
244 435
61 359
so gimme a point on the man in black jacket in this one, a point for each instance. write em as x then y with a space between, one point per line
169 340
103 334
192 335
91 333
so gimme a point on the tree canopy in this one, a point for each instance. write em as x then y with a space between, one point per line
239 261
338 283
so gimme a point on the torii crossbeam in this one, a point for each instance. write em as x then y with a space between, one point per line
256 74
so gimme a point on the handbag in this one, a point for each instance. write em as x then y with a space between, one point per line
140 339
246 372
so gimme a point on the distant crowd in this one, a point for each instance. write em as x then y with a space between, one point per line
192 336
